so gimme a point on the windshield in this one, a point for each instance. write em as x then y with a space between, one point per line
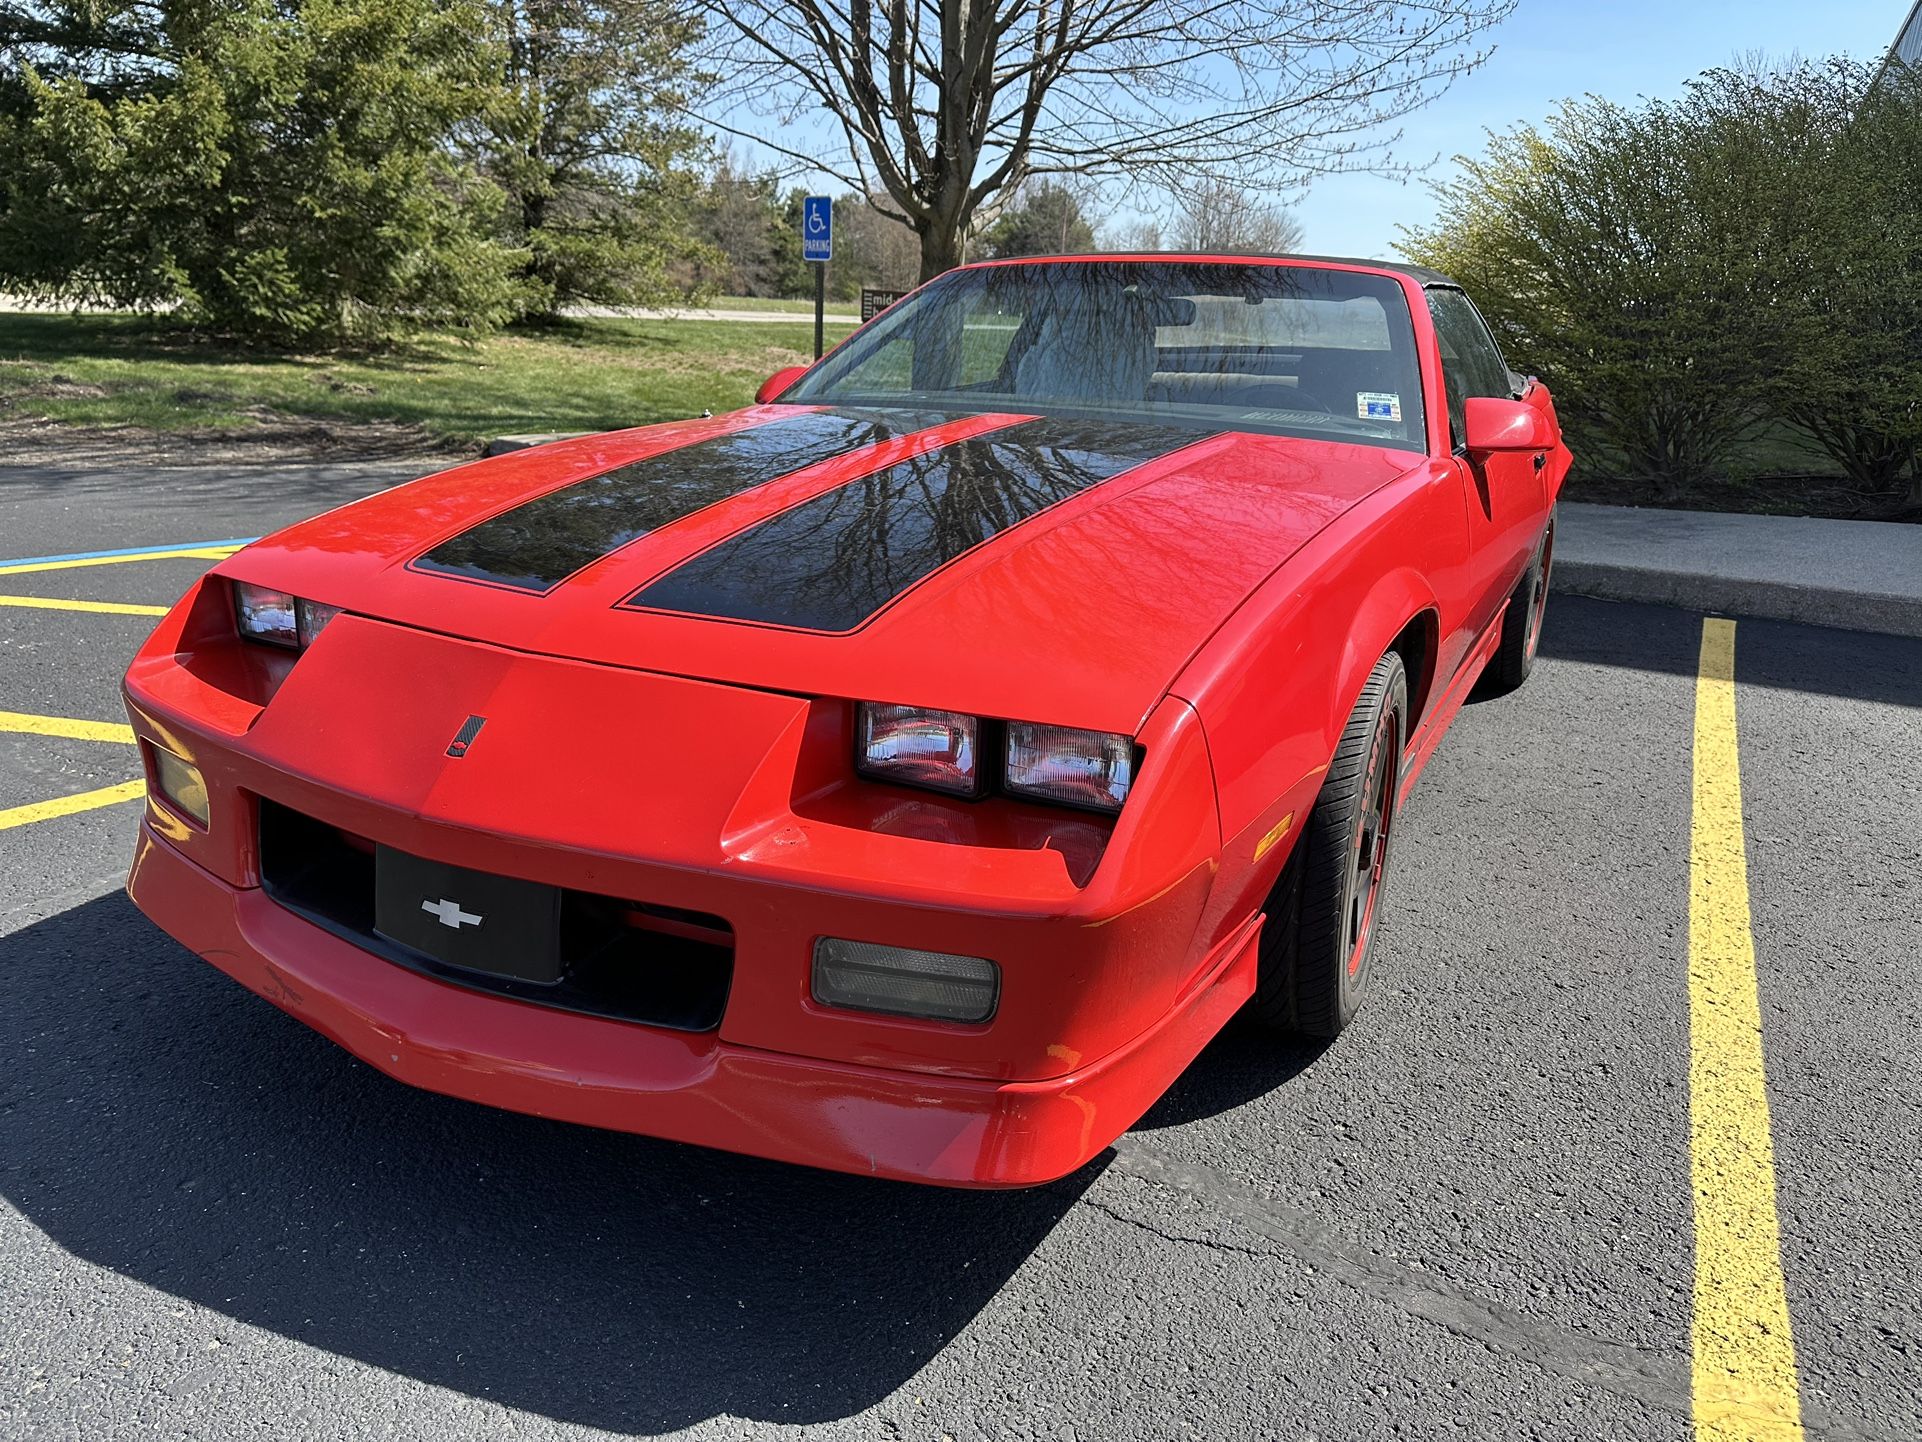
1292 350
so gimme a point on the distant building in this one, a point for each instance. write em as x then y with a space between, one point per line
1908 40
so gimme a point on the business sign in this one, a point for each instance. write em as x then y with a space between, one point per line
817 228
873 302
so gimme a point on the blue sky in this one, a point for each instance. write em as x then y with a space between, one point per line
1550 49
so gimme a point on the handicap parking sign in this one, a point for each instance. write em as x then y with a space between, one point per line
817 228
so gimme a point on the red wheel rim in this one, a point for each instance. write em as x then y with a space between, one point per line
1538 594
1370 847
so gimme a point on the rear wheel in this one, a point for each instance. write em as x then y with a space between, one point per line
1318 944
1514 657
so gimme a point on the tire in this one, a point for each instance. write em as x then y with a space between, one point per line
1514 657
1317 946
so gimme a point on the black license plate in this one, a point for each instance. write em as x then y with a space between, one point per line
471 919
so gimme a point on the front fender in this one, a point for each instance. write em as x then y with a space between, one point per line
1276 684
1399 598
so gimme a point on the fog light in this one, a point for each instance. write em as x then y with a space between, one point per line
862 976
181 784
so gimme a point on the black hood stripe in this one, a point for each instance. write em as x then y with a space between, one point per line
832 562
536 546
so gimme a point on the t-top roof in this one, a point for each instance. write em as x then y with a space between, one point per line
1420 273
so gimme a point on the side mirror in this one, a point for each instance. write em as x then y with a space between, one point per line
1495 425
775 384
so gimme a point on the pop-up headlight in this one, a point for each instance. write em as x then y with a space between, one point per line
277 618
918 747
1075 768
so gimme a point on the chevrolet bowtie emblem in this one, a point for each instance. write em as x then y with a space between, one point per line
449 914
463 738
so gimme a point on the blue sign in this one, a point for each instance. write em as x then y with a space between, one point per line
817 228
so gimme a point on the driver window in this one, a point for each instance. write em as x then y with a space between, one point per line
1472 365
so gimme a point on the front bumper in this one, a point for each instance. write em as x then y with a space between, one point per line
667 792
682 1086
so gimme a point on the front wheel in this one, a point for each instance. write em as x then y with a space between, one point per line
1317 946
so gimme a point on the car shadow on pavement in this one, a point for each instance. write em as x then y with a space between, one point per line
1782 655
159 1121
1242 1063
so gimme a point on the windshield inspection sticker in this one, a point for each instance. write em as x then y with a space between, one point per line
1377 406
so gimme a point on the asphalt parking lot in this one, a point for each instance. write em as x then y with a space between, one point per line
1474 1216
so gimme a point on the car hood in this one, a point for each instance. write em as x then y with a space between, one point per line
1029 567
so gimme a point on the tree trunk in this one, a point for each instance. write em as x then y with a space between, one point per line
940 249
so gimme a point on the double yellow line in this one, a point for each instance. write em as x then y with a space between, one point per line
1745 1387
102 608
22 723
75 563
67 805
25 724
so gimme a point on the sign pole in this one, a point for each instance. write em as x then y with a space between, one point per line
820 304
817 248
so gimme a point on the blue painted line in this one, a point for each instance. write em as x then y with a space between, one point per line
129 551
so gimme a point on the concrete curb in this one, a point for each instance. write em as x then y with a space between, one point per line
501 445
1768 600
1856 575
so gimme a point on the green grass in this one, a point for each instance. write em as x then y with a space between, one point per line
588 375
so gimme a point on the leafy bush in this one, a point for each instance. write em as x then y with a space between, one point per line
588 141
1688 274
276 171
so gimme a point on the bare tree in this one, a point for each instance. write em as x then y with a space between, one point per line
1140 236
1218 215
869 249
939 106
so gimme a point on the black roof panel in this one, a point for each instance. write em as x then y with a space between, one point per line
1419 273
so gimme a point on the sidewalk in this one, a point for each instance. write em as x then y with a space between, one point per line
1859 575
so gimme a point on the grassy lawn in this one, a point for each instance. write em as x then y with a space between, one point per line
100 370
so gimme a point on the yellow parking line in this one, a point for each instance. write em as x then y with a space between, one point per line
1745 1385
68 805
103 608
210 553
22 723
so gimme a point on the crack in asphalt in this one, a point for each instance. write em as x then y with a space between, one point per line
1659 1380
1154 1231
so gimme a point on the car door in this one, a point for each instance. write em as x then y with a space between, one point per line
1504 493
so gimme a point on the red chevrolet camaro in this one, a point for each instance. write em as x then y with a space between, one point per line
907 774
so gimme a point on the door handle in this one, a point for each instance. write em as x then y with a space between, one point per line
1541 460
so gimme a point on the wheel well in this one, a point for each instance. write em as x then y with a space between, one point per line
1416 647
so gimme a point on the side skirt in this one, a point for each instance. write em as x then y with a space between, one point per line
1445 710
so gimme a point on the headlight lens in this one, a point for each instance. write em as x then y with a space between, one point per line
266 615
277 618
918 747
1076 768
940 750
313 619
